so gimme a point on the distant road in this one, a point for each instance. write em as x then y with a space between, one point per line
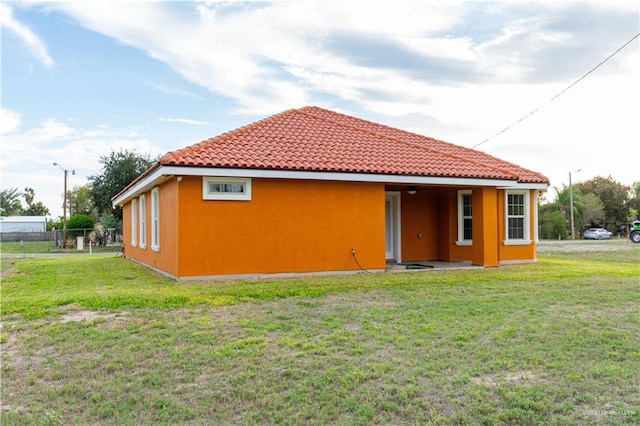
587 245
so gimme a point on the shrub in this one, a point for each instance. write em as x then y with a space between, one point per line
78 222
555 227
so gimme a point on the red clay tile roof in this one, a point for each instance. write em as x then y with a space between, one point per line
315 139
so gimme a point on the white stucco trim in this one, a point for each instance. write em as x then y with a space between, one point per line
536 224
233 196
396 205
460 214
516 262
517 242
163 173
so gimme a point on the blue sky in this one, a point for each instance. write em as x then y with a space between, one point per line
82 78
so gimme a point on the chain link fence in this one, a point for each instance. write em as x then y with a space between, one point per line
59 241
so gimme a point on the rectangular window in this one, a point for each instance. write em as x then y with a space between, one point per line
134 223
218 188
230 188
143 221
517 217
155 219
465 218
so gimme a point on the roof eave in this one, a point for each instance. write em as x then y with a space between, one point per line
162 173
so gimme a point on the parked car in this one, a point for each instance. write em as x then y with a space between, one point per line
597 234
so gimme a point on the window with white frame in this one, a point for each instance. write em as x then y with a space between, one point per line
536 225
143 221
225 188
465 218
517 217
155 219
134 223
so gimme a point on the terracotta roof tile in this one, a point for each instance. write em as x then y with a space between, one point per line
316 139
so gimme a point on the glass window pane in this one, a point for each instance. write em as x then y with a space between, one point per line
516 228
235 188
467 229
515 205
466 205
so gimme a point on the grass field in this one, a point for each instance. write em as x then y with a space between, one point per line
27 246
31 247
101 340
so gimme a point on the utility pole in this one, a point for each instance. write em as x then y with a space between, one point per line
64 204
573 229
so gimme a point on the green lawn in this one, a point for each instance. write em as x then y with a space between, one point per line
101 340
26 246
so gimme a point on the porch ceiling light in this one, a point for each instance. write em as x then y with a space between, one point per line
412 189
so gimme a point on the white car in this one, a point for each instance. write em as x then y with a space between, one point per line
597 234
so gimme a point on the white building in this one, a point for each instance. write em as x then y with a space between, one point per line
23 223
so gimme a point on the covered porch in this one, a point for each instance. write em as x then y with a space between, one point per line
432 226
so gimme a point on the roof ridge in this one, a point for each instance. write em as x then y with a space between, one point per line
408 143
396 129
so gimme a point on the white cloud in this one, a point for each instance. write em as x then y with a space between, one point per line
9 121
28 156
183 120
28 37
273 56
470 79
173 91
592 127
217 50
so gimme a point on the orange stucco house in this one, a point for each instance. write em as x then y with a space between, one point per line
301 191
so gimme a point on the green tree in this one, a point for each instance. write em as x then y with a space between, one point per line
77 223
10 204
119 169
633 205
54 223
614 197
29 195
36 209
109 221
593 212
33 208
562 202
555 226
80 202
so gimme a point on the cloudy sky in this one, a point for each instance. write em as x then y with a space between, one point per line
83 78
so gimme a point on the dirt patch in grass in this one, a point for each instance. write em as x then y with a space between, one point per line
522 377
77 315
7 269
379 299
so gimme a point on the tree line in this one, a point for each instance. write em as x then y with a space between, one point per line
599 202
87 204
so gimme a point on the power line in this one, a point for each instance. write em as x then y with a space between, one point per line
559 94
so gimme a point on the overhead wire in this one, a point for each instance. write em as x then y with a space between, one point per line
559 94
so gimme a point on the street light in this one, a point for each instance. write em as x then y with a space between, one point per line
64 204
573 230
